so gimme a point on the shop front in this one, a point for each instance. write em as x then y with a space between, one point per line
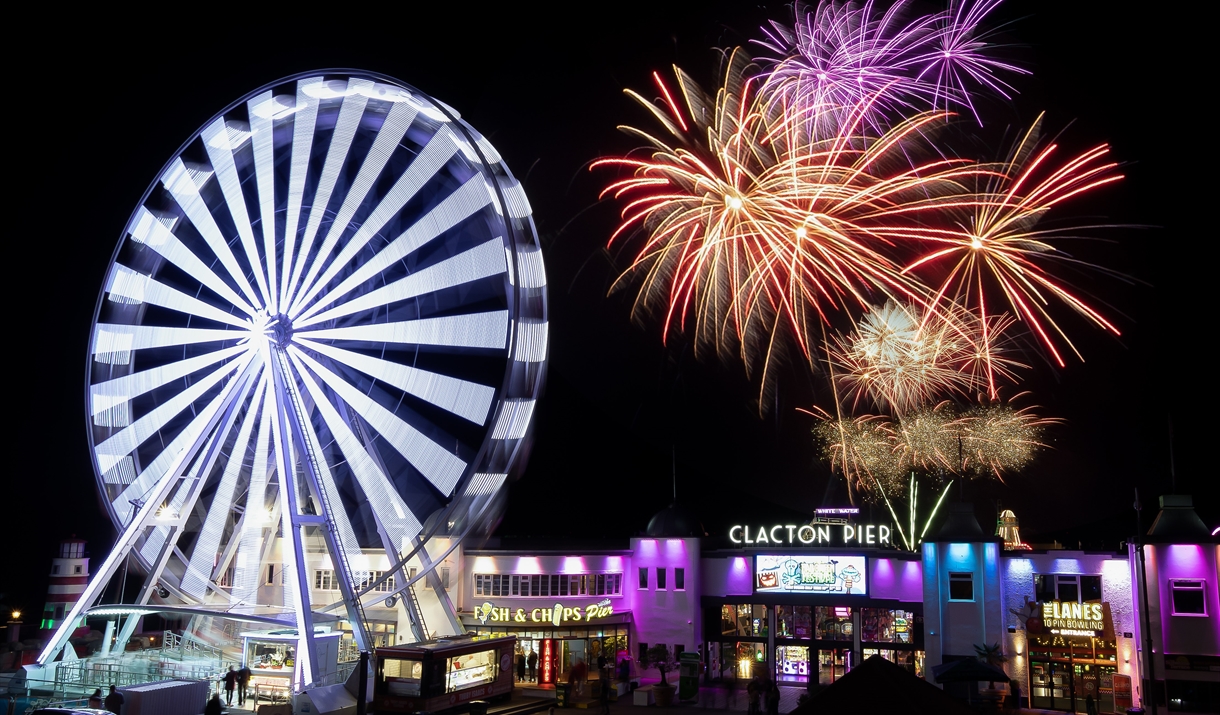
560 636
810 619
1073 656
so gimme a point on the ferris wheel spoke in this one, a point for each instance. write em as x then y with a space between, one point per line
479 262
255 518
392 513
476 330
113 343
129 438
220 139
262 126
438 465
150 231
468 400
142 483
303 122
203 554
180 182
110 399
130 287
435 154
397 121
350 113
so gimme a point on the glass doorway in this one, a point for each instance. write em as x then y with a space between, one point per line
792 664
833 663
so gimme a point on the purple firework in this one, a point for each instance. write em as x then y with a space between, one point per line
842 57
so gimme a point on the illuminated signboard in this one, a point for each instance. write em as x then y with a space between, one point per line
547 662
557 615
1066 618
811 574
810 534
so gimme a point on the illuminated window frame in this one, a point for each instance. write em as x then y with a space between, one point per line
1188 586
548 585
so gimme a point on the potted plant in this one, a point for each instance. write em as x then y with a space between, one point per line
991 655
662 658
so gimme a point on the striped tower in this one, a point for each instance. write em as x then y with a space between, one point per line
69 576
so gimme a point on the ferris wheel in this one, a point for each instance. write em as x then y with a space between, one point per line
324 327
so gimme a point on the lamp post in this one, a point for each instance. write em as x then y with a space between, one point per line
1147 670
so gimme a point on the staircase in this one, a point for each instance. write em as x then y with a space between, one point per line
340 554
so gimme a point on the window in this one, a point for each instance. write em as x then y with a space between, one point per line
679 579
59 611
77 569
1073 588
270 575
324 580
643 657
445 578
55 569
383 587
961 587
643 577
547 585
660 578
1188 597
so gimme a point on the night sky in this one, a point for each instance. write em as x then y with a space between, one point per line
102 107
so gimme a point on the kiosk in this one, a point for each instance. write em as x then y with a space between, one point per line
443 674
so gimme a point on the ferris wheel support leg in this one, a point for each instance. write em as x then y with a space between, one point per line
307 653
127 539
329 531
442 594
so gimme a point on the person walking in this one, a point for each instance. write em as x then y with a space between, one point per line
243 682
754 691
533 663
772 698
95 700
230 681
520 666
114 701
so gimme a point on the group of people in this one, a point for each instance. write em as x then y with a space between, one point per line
524 660
112 702
763 693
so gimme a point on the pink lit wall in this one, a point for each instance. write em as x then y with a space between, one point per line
669 615
1185 634
897 579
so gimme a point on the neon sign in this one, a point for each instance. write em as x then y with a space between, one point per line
1067 618
809 534
548 662
558 615
811 574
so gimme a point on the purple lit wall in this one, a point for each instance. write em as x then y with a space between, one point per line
897 579
669 615
1183 633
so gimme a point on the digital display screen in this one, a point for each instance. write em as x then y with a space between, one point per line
845 575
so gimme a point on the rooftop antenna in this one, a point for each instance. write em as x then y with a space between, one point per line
673 456
1173 477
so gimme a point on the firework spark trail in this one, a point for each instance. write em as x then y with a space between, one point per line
841 53
994 244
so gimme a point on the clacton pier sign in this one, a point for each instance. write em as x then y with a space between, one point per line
811 534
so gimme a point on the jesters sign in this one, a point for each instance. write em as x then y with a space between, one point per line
557 615
811 534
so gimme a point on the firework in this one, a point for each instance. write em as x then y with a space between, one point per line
902 355
999 438
994 243
842 54
754 232
862 450
926 440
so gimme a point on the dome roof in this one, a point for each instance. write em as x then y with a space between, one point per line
673 521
